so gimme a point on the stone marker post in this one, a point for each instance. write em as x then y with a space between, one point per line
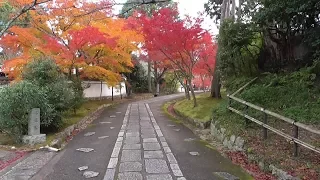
34 136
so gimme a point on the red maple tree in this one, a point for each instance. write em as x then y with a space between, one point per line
179 40
204 69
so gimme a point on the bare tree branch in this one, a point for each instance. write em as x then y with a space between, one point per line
35 3
20 13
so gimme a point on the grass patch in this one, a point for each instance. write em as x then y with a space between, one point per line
295 95
203 112
70 118
5 139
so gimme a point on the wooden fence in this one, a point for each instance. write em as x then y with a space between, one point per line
294 138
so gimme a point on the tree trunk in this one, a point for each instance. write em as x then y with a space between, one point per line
112 93
239 10
100 90
155 78
120 91
215 84
193 95
233 11
227 10
202 79
149 78
186 91
158 88
212 92
185 86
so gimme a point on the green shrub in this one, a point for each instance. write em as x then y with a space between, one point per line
60 94
43 86
78 97
171 83
16 103
234 123
42 71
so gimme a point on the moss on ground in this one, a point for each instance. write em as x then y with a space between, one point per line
203 112
70 118
169 115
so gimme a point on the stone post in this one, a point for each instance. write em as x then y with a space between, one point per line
34 136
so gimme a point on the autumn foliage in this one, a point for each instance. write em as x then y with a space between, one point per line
81 38
179 44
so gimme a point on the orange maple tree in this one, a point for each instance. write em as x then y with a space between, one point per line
81 39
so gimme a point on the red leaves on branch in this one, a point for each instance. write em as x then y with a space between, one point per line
181 43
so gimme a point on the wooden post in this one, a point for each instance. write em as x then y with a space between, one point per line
265 130
229 101
246 113
112 93
295 145
120 91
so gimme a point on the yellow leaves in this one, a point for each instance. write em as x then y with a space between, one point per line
127 42
53 32
102 74
15 66
23 39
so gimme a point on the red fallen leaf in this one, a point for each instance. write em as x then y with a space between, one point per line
18 155
242 160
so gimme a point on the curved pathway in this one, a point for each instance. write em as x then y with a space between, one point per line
138 142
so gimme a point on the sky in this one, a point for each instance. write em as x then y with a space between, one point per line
191 8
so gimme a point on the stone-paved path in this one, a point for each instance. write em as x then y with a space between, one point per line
141 151
130 141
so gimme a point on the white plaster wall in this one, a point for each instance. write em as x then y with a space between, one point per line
95 89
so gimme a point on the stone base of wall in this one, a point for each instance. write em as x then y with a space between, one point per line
233 142
237 143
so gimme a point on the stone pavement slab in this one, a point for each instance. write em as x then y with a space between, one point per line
142 155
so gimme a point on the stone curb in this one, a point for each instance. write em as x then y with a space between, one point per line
82 124
194 122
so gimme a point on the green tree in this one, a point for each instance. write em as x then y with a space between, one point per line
138 5
60 94
16 102
268 35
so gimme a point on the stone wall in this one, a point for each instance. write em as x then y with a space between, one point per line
233 142
95 87
237 143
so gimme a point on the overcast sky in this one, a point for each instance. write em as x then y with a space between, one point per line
192 7
189 7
